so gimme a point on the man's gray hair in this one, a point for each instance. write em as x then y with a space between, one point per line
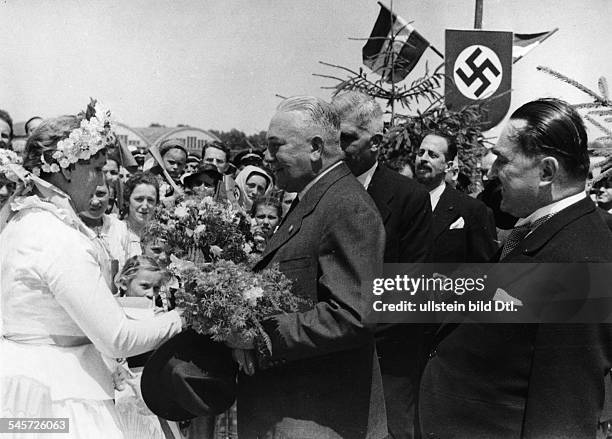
361 109
322 115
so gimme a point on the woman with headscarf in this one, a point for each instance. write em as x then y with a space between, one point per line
252 183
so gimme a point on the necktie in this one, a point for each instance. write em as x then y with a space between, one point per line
519 233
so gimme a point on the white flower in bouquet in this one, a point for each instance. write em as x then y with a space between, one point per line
181 212
252 294
247 248
201 228
216 251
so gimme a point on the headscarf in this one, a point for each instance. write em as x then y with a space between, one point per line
240 189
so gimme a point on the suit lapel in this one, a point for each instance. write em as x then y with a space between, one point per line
541 235
380 193
445 212
293 222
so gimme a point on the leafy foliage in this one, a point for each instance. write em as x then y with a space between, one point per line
406 131
598 112
424 88
403 140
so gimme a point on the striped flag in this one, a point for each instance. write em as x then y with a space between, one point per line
394 47
524 43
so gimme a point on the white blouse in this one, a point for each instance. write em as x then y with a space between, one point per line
55 301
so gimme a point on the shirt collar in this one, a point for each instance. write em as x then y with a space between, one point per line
436 193
317 178
366 178
552 208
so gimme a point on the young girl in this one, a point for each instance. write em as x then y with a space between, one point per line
139 284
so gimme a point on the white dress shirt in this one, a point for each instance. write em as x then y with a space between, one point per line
435 194
366 177
551 209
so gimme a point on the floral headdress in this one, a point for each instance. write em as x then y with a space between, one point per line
93 134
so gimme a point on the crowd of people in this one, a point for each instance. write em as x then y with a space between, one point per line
76 258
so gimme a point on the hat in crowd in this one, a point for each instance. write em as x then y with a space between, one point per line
248 157
188 376
193 158
206 173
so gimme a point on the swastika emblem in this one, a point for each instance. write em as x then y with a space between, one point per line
477 72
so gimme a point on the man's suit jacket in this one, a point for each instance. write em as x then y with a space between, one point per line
475 241
322 379
525 380
405 209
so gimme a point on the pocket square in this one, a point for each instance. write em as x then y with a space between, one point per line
458 224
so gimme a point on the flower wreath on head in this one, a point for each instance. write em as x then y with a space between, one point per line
93 134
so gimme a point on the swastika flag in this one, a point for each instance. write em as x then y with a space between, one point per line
478 68
394 47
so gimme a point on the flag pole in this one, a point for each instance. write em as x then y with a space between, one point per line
436 51
478 14
392 67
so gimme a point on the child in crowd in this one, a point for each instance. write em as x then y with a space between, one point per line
266 214
139 284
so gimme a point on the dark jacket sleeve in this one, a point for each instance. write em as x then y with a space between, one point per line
417 236
482 237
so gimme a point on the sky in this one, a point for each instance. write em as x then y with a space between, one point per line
220 64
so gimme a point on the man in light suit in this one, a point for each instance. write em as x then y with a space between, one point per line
531 380
322 379
406 212
463 227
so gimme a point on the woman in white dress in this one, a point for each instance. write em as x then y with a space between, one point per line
57 311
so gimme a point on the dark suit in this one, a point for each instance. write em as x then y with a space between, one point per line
606 216
525 380
323 379
475 241
406 213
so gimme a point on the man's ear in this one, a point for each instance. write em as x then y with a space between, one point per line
549 169
317 148
376 142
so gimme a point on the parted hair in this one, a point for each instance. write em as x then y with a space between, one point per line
322 116
271 200
131 184
553 127
361 109
131 268
218 145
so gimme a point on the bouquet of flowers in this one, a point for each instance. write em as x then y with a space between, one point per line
223 299
8 159
203 230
